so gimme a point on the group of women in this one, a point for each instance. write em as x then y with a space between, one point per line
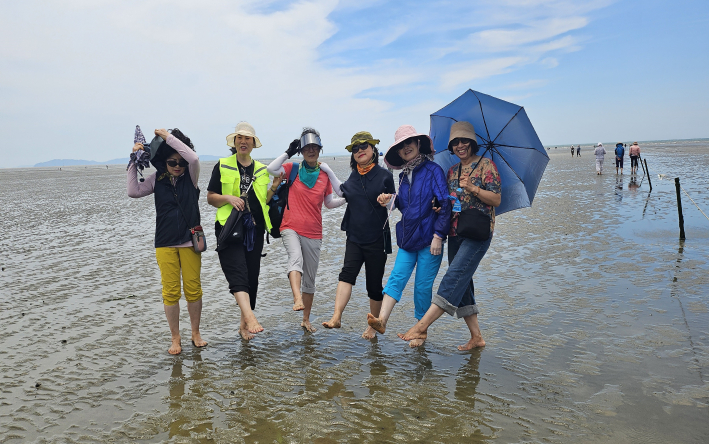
430 201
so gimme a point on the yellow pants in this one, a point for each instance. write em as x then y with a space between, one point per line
171 261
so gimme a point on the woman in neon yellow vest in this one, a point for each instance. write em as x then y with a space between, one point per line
240 182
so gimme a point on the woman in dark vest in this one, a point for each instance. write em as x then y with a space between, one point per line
176 179
366 225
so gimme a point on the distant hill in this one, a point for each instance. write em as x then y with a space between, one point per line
122 160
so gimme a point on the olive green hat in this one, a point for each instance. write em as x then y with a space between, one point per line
360 138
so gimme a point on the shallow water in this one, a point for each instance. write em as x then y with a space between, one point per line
596 319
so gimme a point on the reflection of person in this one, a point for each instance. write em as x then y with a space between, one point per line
301 227
600 153
475 183
177 211
634 156
422 230
619 155
365 222
242 183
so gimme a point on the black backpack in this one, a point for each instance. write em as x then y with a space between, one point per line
279 202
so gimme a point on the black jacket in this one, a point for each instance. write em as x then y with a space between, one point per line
364 217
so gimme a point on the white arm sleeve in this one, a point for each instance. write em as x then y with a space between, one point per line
333 202
333 179
275 168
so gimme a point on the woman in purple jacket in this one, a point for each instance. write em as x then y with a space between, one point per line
422 229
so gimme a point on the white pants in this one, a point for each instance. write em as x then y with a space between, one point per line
599 165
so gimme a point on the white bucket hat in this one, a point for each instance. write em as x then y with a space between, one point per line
243 129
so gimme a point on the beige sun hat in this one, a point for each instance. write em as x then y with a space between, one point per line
243 129
464 130
392 157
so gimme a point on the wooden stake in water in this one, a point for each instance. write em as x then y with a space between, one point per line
647 170
679 210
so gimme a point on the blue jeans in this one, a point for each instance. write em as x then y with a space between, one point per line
427 266
456 294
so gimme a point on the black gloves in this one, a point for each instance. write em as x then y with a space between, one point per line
293 148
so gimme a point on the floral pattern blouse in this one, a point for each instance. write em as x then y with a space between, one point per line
486 177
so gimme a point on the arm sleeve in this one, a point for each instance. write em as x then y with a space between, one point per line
336 184
275 168
187 154
440 190
139 189
332 201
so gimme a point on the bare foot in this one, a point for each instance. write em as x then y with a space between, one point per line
413 333
369 333
376 323
175 347
416 343
197 340
245 334
253 326
298 304
332 323
308 326
474 342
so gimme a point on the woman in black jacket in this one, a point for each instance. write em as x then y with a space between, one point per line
366 225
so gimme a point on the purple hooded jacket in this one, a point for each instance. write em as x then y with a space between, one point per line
418 220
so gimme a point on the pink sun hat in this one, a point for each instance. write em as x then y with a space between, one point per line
392 158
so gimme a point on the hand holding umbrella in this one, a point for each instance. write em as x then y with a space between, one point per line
141 153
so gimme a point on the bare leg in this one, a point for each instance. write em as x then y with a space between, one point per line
195 311
294 278
375 310
420 330
307 306
379 323
248 324
342 297
476 337
172 313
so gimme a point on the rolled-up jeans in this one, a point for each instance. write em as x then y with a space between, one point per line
456 293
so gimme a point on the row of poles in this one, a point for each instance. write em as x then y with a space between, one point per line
646 171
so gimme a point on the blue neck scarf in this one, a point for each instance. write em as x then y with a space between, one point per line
308 175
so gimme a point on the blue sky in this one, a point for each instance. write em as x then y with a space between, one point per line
77 75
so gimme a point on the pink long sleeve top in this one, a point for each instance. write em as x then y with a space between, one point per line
138 189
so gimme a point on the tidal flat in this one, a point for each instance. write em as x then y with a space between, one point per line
596 318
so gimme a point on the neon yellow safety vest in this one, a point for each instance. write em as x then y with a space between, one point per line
231 180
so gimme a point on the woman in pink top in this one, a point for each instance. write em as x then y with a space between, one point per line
301 228
176 193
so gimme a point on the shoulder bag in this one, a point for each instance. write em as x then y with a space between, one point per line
472 223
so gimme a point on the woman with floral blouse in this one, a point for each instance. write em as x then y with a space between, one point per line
472 183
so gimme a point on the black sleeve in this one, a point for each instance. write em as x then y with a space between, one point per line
389 183
215 182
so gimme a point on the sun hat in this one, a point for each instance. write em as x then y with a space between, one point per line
243 129
599 144
464 130
360 138
392 157
635 143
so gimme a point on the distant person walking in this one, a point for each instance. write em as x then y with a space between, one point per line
619 155
578 151
634 156
174 186
572 150
600 153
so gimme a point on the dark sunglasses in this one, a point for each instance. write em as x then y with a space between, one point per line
173 163
361 146
459 140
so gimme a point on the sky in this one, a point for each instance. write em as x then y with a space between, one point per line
76 76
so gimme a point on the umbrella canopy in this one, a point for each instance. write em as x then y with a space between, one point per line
505 136
141 158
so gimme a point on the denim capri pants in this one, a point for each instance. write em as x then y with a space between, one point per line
456 294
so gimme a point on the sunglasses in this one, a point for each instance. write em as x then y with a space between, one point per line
459 140
361 146
173 163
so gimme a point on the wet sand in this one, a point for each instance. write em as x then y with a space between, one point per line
596 319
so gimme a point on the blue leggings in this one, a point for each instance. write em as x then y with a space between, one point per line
427 266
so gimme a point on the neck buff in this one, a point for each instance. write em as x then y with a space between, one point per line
308 175
367 168
416 161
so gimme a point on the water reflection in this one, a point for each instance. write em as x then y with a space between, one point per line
187 416
467 379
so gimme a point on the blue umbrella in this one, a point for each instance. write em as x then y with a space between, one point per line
507 137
